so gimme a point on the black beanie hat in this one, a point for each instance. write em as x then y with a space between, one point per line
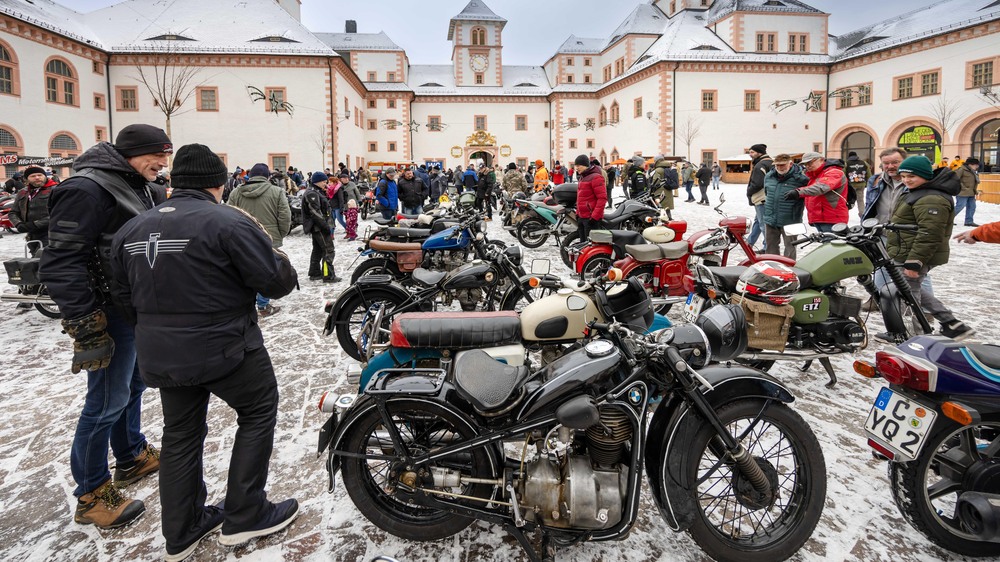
512 166
582 160
197 167
759 148
136 140
34 170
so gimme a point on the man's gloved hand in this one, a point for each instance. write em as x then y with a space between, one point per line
791 195
22 227
92 346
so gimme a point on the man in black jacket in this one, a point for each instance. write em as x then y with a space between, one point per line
30 213
315 210
411 192
191 269
760 165
111 185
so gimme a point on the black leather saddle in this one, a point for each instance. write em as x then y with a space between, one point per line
455 330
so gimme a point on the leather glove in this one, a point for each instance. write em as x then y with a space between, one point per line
791 195
92 346
22 227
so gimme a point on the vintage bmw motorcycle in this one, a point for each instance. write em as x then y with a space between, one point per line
561 452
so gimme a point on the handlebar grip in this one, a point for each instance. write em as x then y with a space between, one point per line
674 357
902 227
600 326
802 241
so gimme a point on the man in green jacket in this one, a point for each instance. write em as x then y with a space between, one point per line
968 176
785 175
663 182
267 203
928 204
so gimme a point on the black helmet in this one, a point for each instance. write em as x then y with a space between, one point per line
628 303
770 282
725 327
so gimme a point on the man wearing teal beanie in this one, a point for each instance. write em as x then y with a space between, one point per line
929 204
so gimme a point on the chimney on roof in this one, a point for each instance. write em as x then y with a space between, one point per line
351 26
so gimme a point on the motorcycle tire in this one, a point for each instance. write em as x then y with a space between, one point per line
364 212
515 298
424 426
910 482
47 310
352 312
779 530
645 274
595 267
564 245
376 266
532 233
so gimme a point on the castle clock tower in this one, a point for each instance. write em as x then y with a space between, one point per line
476 46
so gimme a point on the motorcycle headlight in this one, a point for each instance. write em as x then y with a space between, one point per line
514 254
481 226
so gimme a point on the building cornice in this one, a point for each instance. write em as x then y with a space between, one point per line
964 34
48 38
480 99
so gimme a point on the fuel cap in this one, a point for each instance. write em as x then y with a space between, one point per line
599 348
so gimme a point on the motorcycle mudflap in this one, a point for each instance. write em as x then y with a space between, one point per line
668 439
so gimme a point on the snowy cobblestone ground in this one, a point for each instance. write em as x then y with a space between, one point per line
40 401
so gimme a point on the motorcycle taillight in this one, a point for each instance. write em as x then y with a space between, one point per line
688 283
897 370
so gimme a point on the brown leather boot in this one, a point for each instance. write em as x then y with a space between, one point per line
146 463
107 508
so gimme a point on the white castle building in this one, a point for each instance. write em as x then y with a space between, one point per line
704 79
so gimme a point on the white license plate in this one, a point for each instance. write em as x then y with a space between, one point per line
693 307
899 423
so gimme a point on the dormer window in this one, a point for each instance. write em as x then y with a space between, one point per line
774 3
867 40
169 37
525 85
705 48
431 85
273 39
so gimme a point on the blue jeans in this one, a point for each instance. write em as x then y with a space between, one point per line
338 214
715 182
758 225
111 412
969 204
388 213
687 186
413 210
262 301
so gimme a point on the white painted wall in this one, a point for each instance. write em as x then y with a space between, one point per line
379 62
783 24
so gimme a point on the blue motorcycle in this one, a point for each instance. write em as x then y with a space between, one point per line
938 423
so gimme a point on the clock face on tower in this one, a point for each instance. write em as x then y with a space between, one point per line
479 63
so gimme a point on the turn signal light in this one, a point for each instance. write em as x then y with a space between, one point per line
615 275
323 401
865 369
534 282
957 412
711 293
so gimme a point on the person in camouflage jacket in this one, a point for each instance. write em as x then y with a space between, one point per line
513 181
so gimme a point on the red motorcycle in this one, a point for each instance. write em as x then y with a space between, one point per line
662 268
6 204
592 259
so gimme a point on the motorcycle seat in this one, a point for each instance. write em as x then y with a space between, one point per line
727 277
673 250
455 330
485 382
385 246
400 232
618 239
988 355
643 252
627 206
405 216
428 278
553 208
440 225
384 221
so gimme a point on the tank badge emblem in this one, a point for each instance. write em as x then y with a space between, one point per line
635 395
915 346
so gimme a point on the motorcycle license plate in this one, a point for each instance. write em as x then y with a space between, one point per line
693 307
899 423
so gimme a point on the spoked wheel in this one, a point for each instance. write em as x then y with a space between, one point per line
375 484
595 267
532 233
646 274
564 243
516 299
357 317
736 522
47 310
376 266
954 459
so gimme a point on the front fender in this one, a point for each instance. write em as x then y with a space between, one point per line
367 282
674 425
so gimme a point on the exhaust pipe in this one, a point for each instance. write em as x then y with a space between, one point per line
785 356
32 299
980 515
660 301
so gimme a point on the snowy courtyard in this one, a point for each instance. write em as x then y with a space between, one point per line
40 402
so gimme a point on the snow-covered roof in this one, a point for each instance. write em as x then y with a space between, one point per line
475 10
252 26
517 81
359 41
575 45
722 8
387 87
914 25
645 19
54 17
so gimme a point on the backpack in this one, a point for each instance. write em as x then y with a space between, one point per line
639 182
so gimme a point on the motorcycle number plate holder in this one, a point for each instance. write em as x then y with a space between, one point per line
899 423
692 308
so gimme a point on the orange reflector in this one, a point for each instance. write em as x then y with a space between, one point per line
534 282
865 369
615 275
322 399
649 219
956 412
711 293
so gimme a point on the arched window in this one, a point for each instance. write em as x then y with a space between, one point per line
61 82
602 116
984 145
9 82
64 145
614 112
478 36
10 143
861 143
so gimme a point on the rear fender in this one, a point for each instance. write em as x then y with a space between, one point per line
674 426
590 251
365 283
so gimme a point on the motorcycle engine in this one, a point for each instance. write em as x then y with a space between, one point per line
580 478
469 298
446 261
837 332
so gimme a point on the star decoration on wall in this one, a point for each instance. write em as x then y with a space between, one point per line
589 124
275 104
414 126
814 101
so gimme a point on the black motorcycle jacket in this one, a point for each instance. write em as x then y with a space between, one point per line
85 211
192 268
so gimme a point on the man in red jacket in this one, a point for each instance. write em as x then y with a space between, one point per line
591 195
826 194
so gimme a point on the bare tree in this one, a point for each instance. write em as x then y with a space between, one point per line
946 112
170 82
321 141
689 131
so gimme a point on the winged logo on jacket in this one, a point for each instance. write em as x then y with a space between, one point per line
153 247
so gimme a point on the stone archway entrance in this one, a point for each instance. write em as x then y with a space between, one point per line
483 156
483 146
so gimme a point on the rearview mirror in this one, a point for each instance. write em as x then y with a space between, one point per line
539 267
722 198
795 229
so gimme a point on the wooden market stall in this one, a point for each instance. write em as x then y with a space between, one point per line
736 169
989 187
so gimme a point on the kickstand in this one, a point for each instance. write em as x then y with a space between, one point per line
805 366
825 362
529 548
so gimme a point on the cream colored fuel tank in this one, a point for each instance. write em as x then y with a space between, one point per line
560 316
659 234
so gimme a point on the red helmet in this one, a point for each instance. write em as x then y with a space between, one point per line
770 282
